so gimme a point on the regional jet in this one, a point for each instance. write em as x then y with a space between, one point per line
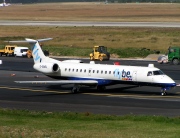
98 75
4 4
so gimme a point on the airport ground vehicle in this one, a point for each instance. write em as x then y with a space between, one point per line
172 56
29 53
8 50
99 53
20 51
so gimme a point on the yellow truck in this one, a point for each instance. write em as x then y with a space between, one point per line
8 50
99 53
29 53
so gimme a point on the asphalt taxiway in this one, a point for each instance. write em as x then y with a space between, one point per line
88 23
115 100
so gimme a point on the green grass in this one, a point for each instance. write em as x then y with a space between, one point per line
79 41
84 52
24 123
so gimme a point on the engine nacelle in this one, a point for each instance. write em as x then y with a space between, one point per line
46 68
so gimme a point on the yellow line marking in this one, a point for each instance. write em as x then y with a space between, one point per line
33 90
132 96
96 94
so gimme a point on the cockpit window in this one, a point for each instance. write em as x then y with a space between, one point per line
158 72
150 73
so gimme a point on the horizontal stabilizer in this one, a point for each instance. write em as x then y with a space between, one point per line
27 40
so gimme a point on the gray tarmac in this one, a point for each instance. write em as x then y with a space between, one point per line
85 23
115 100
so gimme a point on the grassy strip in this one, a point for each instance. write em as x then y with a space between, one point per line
23 123
93 11
79 41
84 52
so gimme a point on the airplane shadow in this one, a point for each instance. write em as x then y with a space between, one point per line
113 90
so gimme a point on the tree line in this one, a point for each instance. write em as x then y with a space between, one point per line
109 1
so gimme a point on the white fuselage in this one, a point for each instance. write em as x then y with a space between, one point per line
104 74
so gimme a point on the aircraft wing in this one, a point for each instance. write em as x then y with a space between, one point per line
83 82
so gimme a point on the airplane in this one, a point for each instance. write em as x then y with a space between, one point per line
4 4
96 75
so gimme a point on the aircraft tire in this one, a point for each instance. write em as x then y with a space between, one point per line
163 94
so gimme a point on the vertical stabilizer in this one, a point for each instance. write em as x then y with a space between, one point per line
37 52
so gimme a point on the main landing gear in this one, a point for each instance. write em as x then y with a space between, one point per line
101 88
75 88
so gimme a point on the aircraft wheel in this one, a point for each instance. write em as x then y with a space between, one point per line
74 90
163 93
101 88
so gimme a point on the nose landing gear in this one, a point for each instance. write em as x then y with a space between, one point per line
163 91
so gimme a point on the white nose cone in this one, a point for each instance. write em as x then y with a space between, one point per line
0 61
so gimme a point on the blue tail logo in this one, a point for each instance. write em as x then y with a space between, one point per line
35 53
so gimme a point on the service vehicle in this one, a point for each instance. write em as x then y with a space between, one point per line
29 53
20 51
99 53
172 56
8 50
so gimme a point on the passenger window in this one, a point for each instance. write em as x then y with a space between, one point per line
149 73
93 71
65 69
109 72
105 72
76 70
80 70
84 71
97 71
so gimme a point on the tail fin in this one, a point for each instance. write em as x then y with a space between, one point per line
37 52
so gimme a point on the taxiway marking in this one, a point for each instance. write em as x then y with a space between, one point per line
122 95
33 90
